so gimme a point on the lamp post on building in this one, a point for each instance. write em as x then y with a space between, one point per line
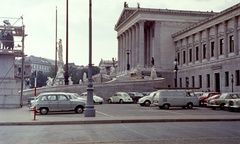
175 70
128 52
232 81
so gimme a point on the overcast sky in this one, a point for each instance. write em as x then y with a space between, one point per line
39 19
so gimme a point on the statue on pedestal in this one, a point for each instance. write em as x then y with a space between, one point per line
153 73
6 36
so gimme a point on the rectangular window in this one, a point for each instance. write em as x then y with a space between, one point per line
184 57
221 46
204 51
212 49
197 53
226 78
231 42
178 58
190 55
208 80
193 81
200 81
237 78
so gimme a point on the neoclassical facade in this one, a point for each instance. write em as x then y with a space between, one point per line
205 45
208 52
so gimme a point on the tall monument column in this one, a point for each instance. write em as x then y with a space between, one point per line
156 45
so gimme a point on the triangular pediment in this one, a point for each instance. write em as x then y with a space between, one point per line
126 13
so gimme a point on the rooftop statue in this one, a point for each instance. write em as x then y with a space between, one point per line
6 37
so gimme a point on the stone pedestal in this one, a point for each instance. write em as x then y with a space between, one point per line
9 87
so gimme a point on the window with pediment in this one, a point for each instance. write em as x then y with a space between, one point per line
204 51
221 46
197 53
231 44
190 55
212 48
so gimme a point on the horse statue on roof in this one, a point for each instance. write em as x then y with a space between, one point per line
6 36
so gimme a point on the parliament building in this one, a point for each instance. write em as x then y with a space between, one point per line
188 48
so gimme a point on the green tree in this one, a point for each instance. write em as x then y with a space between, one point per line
41 79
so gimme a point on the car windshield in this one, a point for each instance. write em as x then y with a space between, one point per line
72 96
223 96
205 95
126 95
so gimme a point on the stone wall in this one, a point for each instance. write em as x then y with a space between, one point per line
104 90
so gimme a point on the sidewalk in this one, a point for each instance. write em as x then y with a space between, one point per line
23 116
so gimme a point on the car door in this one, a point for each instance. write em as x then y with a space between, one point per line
63 103
115 97
52 102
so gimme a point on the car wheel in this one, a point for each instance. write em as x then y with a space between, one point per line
222 106
147 103
79 109
120 101
166 106
100 102
201 103
142 104
109 101
189 105
43 111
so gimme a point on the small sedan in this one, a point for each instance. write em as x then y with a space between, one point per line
120 97
146 100
221 101
58 102
135 96
96 99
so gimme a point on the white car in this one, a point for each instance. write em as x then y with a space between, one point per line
232 104
120 97
147 100
96 99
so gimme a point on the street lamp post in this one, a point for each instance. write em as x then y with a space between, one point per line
175 70
66 72
232 81
128 65
89 109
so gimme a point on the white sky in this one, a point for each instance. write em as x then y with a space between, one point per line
39 19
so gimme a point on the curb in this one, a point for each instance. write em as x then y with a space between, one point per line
111 121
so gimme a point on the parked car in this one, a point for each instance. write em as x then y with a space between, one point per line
219 103
58 102
147 100
206 101
146 93
135 96
76 96
175 98
96 99
206 95
120 97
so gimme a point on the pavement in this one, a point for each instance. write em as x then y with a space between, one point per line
24 116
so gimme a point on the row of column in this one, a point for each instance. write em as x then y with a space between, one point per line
141 41
226 45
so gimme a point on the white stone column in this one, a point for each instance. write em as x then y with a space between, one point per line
157 45
124 52
216 42
200 46
130 46
119 49
207 45
137 44
133 47
147 49
120 61
180 54
141 43
193 49
225 39
236 51
187 51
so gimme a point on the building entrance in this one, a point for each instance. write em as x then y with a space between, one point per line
217 82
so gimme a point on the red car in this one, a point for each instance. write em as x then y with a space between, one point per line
206 95
211 98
